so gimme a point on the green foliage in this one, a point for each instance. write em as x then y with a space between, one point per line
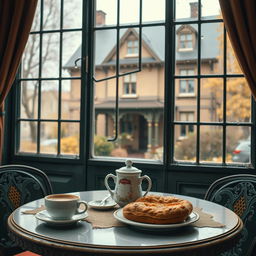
102 147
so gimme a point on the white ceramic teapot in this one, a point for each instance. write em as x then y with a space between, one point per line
127 184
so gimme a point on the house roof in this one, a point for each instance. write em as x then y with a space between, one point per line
153 37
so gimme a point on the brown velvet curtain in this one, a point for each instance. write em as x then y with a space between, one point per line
16 17
240 21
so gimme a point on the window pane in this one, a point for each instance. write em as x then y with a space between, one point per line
211 144
71 51
158 15
212 48
37 17
28 136
70 99
186 9
50 55
72 14
49 99
51 17
211 100
106 12
238 148
48 137
70 133
28 101
185 143
129 11
232 64
211 9
238 100
30 58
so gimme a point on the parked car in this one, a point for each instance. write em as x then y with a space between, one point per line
242 152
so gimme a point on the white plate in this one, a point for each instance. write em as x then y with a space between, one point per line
109 204
118 214
44 216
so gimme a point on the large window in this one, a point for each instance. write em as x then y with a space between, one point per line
75 77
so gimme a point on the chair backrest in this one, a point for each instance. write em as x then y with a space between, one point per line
238 193
19 184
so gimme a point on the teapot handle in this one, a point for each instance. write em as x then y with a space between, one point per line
149 183
106 183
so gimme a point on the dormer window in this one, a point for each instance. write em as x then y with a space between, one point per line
186 42
132 47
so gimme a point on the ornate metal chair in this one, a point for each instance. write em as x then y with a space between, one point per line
19 184
238 193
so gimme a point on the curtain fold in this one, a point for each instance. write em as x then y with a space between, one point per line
240 21
16 17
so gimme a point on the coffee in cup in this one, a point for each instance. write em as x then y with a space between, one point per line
63 206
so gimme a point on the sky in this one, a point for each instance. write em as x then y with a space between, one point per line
153 10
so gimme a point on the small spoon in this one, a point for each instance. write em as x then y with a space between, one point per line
103 201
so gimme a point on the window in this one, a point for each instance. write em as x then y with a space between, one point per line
129 85
186 41
132 47
187 86
79 76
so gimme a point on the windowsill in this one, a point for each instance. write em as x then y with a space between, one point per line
185 49
129 96
186 95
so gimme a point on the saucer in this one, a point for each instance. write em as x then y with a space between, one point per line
44 216
109 204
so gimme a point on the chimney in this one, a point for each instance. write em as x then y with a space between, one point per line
194 10
100 18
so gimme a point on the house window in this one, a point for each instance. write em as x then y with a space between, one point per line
132 47
186 129
83 109
187 85
186 41
129 86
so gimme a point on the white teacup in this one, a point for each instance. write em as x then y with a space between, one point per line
63 206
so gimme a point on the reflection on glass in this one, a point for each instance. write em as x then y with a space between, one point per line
238 144
185 139
70 99
238 100
49 99
28 136
70 133
28 101
211 100
48 137
211 144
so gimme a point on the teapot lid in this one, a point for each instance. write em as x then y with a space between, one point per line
128 168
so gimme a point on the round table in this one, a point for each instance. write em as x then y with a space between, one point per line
81 239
